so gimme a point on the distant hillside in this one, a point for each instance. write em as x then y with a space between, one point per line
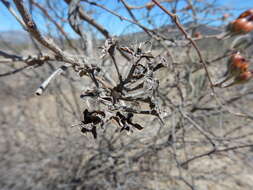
21 38
15 37
170 32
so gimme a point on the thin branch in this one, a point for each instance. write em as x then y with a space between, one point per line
92 22
33 30
45 12
12 11
174 17
11 56
45 84
214 152
14 71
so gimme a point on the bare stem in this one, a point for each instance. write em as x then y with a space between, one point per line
174 17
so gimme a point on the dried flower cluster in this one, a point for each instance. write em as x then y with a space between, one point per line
135 87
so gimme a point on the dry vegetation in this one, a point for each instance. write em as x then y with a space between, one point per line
159 116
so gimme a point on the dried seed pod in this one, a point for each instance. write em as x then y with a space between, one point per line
238 25
242 25
241 79
150 6
197 35
237 64
247 13
188 7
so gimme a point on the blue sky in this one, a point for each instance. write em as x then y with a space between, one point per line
115 25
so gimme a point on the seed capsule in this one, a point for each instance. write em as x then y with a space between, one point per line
241 79
237 64
150 5
243 24
246 13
